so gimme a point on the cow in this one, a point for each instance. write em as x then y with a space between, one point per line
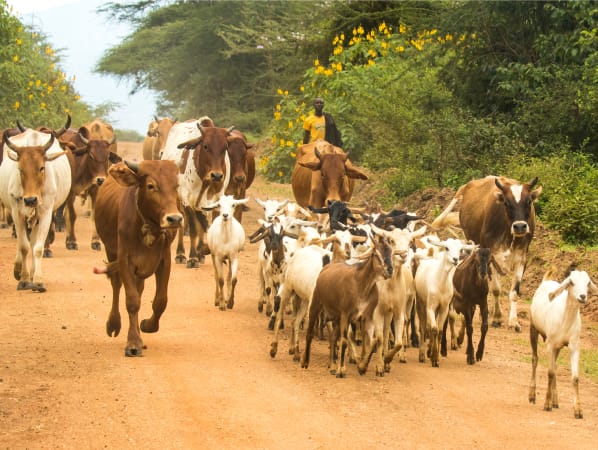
91 149
498 213
138 215
323 173
201 152
157 132
35 178
242 169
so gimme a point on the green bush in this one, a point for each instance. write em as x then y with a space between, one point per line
569 200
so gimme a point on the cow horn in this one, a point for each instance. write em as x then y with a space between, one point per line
533 182
61 131
229 130
498 184
200 128
20 127
175 120
9 144
49 143
83 138
317 153
132 165
156 118
113 140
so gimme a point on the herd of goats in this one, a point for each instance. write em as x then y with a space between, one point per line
386 279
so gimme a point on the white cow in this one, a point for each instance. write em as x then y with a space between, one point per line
35 178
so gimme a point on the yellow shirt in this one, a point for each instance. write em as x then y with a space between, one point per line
316 127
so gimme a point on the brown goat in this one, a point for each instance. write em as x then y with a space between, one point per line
471 288
347 292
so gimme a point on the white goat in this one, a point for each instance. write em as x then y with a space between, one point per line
225 238
434 292
555 316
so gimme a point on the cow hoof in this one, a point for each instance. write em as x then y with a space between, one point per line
516 327
113 328
273 349
180 259
230 303
147 326
496 323
23 286
3 226
192 263
48 253
132 351
72 246
271 323
340 375
260 307
38 287
96 246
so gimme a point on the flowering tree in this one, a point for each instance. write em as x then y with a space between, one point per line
34 89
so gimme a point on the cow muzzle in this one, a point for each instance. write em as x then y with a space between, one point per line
216 177
100 180
30 201
172 220
519 228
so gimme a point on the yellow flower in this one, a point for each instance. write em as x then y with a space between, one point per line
49 50
290 124
30 96
279 91
342 37
17 104
302 88
280 174
293 154
360 30
282 142
328 72
19 41
371 62
42 105
63 88
277 115
50 89
382 27
278 107
15 58
273 140
77 97
317 62
289 143
38 82
286 92
402 29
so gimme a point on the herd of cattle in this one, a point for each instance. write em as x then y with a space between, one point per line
385 279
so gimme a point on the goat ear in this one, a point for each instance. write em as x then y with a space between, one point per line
564 285
592 287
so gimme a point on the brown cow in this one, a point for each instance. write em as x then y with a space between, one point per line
323 173
138 216
205 171
91 150
242 169
155 139
498 213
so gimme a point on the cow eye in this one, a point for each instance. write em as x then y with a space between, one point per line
42 169
151 187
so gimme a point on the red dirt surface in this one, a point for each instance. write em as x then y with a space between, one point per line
206 379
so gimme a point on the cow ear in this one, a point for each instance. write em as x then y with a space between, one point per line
500 198
123 175
536 193
311 165
114 158
354 172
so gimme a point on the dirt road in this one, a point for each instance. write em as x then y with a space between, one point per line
206 379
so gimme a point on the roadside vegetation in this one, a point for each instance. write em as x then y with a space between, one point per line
425 93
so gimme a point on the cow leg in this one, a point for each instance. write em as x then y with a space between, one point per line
95 239
533 338
49 240
59 220
70 217
514 292
38 240
193 260
113 323
484 329
21 269
495 291
152 325
180 257
421 315
134 345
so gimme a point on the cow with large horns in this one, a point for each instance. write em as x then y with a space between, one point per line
35 179
138 217
498 213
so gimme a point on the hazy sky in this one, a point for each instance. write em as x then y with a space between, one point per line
81 36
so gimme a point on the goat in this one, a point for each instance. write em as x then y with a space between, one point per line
470 282
555 316
434 292
347 292
225 239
